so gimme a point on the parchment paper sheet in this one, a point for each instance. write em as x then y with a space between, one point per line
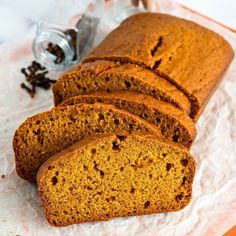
212 210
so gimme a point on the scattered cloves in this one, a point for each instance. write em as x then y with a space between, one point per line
35 75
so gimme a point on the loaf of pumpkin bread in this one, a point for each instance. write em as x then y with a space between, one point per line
174 124
45 134
111 176
188 55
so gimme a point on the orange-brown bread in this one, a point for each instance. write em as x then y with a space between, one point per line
112 76
45 134
174 124
112 176
190 56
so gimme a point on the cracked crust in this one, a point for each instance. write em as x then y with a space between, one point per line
188 55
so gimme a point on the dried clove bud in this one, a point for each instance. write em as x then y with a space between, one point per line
35 75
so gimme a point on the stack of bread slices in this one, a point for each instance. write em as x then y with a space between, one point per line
117 142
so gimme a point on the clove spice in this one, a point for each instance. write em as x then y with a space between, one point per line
56 51
36 76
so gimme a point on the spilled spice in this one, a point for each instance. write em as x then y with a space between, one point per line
36 76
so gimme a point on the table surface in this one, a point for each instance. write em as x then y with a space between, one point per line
18 18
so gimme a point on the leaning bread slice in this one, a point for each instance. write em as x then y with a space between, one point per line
111 76
45 134
174 123
113 176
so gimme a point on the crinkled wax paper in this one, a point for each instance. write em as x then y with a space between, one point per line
212 210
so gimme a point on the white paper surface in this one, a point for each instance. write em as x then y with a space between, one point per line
212 210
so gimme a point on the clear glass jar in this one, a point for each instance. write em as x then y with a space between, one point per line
65 32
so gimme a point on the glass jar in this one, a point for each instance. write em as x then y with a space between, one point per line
64 34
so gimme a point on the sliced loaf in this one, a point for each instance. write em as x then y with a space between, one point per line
45 134
112 176
174 124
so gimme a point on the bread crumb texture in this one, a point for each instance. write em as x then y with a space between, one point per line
174 123
45 134
111 176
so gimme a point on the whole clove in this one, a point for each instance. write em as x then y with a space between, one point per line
35 75
57 52
28 89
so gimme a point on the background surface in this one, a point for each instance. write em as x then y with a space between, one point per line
213 209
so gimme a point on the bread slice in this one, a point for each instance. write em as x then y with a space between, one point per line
111 76
174 124
190 56
112 176
45 134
